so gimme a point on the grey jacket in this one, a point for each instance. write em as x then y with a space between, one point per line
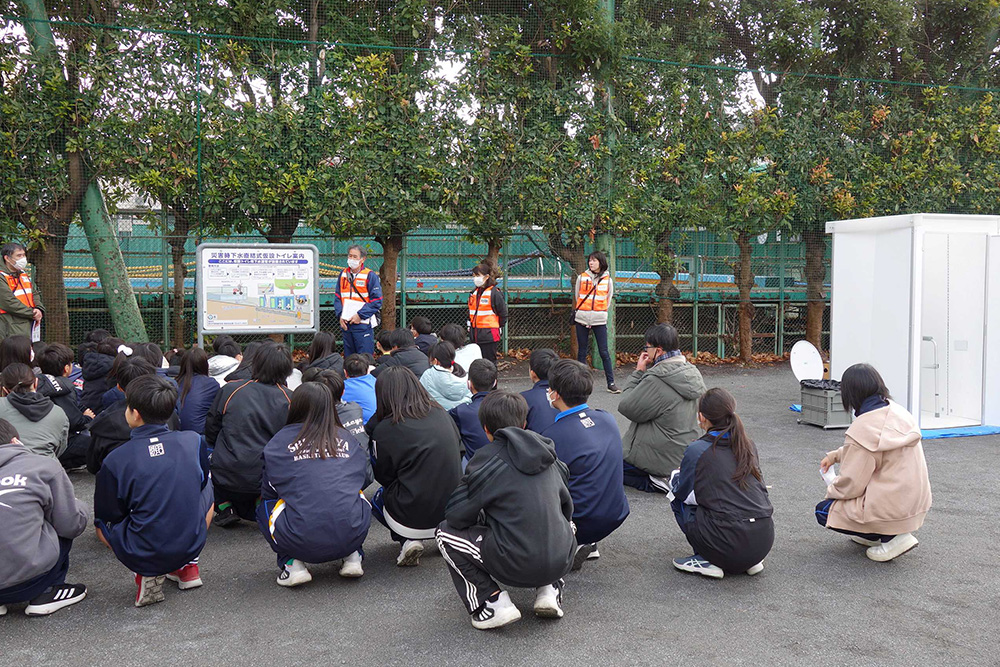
18 317
445 387
662 404
37 507
41 425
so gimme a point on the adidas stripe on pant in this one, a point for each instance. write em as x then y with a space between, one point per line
460 549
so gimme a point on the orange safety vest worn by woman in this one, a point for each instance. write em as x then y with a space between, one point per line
487 312
592 301
591 296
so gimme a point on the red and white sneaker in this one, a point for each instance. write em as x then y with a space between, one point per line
186 577
150 590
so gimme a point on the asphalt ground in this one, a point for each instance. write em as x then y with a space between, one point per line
818 600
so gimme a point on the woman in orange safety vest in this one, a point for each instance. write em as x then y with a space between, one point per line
592 298
487 311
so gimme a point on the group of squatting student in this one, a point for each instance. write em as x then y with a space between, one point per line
513 490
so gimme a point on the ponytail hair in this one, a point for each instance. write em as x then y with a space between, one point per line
444 353
18 379
487 267
719 407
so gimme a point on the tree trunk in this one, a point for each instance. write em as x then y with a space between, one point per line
665 290
48 261
815 277
744 281
392 245
177 241
281 227
493 251
574 255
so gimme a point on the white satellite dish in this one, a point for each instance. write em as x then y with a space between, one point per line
807 364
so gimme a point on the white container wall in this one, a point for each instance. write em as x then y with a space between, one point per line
911 295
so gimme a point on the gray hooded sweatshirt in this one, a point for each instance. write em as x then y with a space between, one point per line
42 426
37 507
662 404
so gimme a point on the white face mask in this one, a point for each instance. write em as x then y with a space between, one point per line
354 264
21 264
479 280
548 397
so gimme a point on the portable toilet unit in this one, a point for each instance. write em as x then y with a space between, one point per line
918 297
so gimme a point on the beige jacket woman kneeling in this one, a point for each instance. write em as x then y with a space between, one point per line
881 492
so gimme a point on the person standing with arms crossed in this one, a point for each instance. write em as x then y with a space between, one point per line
21 310
592 297
357 302
487 311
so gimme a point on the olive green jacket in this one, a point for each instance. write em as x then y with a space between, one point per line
18 317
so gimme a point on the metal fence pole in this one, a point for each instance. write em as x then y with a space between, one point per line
695 275
403 261
165 260
780 338
504 335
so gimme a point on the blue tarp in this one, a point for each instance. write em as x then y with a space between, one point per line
961 432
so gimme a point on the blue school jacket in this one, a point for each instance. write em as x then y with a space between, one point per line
313 507
194 408
466 417
589 443
361 390
540 413
151 497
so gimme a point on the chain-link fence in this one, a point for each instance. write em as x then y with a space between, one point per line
708 142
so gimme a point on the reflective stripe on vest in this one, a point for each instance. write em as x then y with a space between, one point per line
360 290
20 285
592 298
481 315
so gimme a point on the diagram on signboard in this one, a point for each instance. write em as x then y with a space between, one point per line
258 288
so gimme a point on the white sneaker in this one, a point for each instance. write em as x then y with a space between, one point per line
410 553
699 565
756 569
595 554
294 574
548 601
3 610
863 542
897 546
496 614
351 568
55 599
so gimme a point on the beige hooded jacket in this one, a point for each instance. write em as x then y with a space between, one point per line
882 486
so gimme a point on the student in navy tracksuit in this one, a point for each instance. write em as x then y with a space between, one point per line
589 443
153 495
482 380
541 414
349 415
197 391
720 500
357 302
312 508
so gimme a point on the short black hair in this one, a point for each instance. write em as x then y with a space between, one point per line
54 359
151 352
153 397
225 345
133 369
401 338
663 336
383 338
355 366
503 409
7 432
331 378
8 249
421 325
97 335
272 364
541 361
858 383
483 375
602 260
15 349
572 381
454 334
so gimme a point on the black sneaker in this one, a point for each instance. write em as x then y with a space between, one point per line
226 517
582 553
613 389
55 599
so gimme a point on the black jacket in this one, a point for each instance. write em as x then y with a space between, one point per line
425 342
410 357
518 488
63 393
109 430
94 371
333 362
243 418
418 463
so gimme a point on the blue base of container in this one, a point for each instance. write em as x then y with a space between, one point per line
959 432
